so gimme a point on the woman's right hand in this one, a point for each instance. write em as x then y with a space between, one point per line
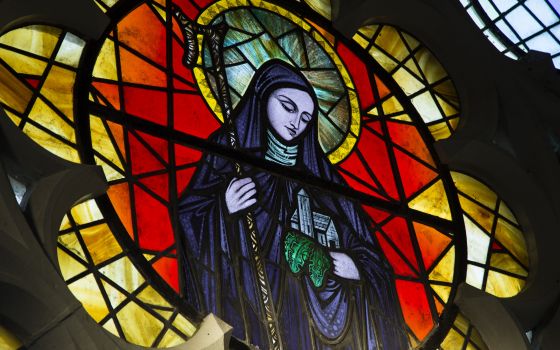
240 194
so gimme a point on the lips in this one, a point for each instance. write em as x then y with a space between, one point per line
291 131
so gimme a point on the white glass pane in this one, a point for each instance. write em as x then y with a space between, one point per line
507 31
489 9
476 18
556 62
545 43
511 55
478 242
475 276
504 5
495 40
555 4
542 11
523 23
556 31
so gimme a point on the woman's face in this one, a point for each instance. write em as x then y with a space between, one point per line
289 112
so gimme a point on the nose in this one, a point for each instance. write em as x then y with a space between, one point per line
295 121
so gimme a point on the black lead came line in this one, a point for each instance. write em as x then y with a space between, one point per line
204 145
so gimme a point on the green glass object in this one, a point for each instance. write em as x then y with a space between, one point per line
302 251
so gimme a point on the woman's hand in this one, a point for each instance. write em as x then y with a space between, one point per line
240 194
344 266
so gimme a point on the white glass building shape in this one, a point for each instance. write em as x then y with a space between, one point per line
313 223
517 26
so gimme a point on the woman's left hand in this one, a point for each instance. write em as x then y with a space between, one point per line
344 266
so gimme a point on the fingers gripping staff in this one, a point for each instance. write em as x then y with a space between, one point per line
241 190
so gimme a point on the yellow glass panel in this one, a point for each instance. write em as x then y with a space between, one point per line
373 111
45 116
474 189
391 42
506 263
101 243
160 12
184 325
110 326
106 66
512 238
462 323
8 340
86 212
70 50
15 119
402 117
476 338
506 212
165 313
115 297
13 92
369 31
139 326
412 42
503 286
111 173
447 108
413 67
150 296
475 276
101 141
392 105
23 64
123 273
170 339
65 224
407 81
453 341
37 39
322 7
360 40
479 214
52 144
430 66
478 242
442 291
385 61
444 270
87 292
71 242
440 130
432 201
69 267
110 3
59 89
426 107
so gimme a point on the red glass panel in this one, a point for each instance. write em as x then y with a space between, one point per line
159 145
192 116
432 243
408 137
33 82
142 159
359 73
147 104
152 219
188 8
183 179
397 231
414 175
415 307
159 184
168 270
376 214
375 151
178 67
354 165
132 31
400 267
110 92
186 155
381 88
137 70
120 198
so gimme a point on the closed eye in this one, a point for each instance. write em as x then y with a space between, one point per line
306 117
287 103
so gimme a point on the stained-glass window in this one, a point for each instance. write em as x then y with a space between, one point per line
498 262
463 335
418 73
343 219
8 340
516 27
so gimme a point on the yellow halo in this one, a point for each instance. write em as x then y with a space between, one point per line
207 16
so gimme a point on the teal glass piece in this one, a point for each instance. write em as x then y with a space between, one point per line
316 55
293 44
274 25
243 20
302 251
